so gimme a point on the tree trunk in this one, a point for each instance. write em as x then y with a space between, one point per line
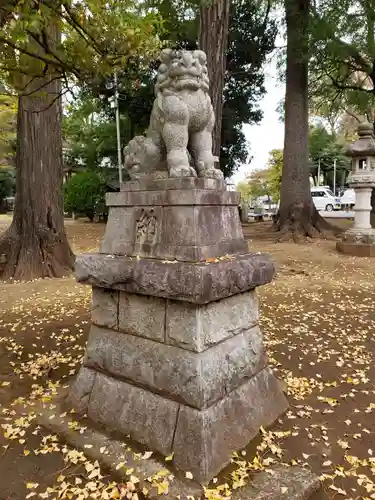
297 216
213 39
35 245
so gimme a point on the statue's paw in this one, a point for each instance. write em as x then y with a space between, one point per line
213 173
182 172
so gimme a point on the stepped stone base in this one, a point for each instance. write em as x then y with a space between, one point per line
357 242
175 358
191 379
202 440
281 483
356 249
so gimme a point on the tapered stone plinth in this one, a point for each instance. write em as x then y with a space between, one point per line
175 356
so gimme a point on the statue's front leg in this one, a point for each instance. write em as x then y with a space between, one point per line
175 136
201 150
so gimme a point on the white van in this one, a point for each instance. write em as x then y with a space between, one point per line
324 199
347 200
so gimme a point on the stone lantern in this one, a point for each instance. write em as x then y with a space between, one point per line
360 239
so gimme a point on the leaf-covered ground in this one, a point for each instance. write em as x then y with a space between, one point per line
318 319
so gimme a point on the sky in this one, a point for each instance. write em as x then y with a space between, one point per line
269 134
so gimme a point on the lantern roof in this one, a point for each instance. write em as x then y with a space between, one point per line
365 144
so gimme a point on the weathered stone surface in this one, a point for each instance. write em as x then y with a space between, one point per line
191 233
204 440
117 451
356 249
178 139
198 327
198 379
285 483
365 144
188 183
105 307
173 197
79 394
148 418
142 315
300 484
198 283
119 230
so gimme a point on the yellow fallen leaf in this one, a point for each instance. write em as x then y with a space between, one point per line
31 486
169 457
189 475
163 488
5 384
344 444
26 452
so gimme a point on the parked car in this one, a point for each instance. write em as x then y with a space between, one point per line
347 200
324 199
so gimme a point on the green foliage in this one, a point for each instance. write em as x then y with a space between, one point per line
96 37
251 38
88 135
6 185
85 193
258 183
275 167
8 119
244 189
341 66
324 148
265 182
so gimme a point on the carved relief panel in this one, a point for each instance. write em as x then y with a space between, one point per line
146 229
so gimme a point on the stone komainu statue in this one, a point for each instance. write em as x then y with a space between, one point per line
179 138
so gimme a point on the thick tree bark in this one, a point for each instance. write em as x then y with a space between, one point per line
213 39
297 217
35 245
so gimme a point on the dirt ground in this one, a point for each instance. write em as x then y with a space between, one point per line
318 319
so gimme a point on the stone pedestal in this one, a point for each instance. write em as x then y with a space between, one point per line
360 239
175 357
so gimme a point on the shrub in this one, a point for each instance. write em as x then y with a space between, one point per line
85 194
6 186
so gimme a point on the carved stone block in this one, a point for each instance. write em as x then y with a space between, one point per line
198 327
142 315
200 283
105 307
198 379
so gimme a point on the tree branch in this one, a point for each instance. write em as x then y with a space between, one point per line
340 86
352 52
78 26
45 46
41 58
